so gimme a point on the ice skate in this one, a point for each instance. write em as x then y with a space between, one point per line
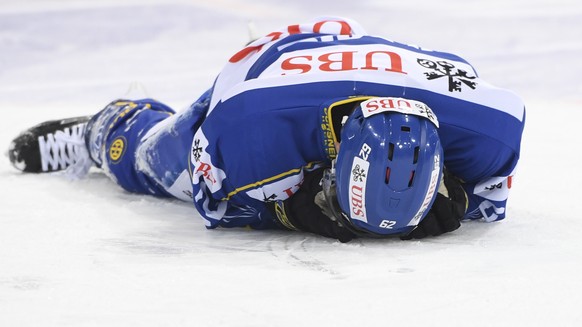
50 146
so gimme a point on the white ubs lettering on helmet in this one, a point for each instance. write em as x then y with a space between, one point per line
404 106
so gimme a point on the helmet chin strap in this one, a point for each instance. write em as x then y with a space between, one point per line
326 199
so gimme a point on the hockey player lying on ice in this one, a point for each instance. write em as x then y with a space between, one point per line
318 128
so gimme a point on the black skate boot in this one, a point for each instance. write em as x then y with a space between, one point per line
50 146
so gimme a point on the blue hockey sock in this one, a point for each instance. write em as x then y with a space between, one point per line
113 135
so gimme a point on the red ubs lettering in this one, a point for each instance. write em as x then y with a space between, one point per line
345 29
374 105
343 61
357 201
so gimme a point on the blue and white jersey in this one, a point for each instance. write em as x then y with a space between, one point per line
268 121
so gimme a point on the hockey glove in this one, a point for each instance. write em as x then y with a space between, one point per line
300 212
447 211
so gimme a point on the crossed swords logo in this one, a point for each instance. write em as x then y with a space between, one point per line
446 69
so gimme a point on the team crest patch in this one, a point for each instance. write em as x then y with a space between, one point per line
196 150
117 149
455 77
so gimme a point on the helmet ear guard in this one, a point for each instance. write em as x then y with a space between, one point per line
388 167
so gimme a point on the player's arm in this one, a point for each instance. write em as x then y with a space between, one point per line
488 177
457 201
446 212
488 198
299 212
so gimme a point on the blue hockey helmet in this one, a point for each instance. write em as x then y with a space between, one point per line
388 167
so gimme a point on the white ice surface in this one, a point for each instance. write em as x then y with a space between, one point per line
85 253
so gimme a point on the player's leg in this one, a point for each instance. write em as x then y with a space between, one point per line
144 147
164 152
113 135
141 144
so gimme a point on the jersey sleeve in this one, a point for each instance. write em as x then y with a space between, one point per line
488 192
250 151
488 198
